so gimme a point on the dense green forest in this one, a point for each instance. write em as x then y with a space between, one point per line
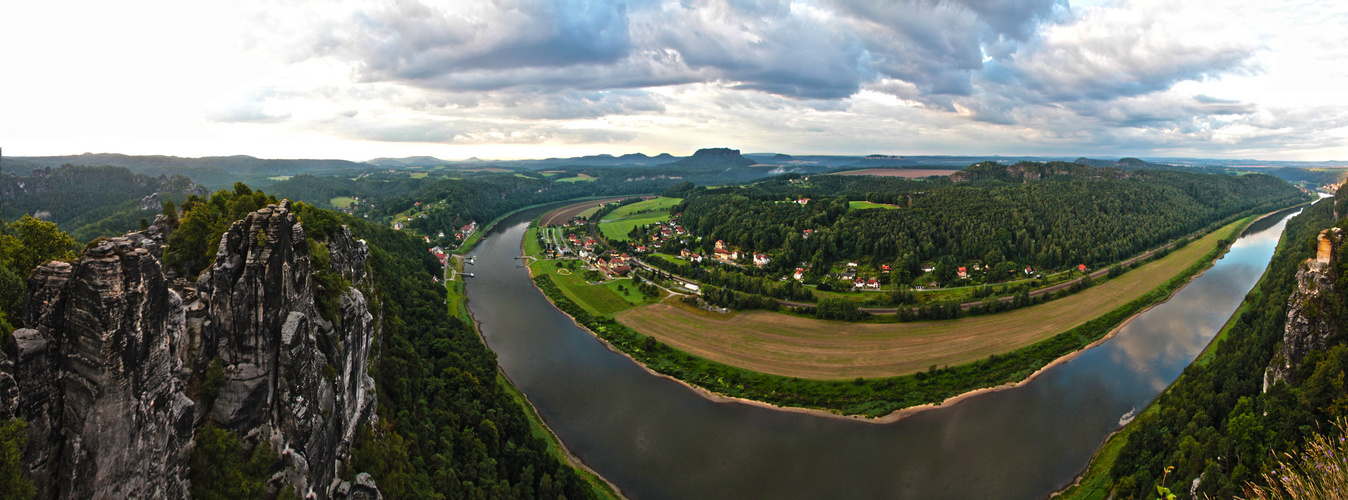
1006 217
1216 421
447 428
89 202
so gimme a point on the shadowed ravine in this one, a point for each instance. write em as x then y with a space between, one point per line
656 438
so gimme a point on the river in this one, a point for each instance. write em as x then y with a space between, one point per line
657 439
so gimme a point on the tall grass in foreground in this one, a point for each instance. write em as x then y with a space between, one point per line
1320 472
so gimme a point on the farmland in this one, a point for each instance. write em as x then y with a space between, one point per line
793 346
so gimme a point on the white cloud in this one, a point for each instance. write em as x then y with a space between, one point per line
533 78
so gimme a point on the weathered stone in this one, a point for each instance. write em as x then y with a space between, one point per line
1310 321
100 374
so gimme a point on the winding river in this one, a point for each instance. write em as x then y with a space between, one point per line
657 439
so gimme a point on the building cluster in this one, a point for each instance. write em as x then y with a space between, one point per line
467 230
440 255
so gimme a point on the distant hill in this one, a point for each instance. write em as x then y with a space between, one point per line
410 161
213 171
1124 163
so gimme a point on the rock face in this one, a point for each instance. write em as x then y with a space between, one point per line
1308 327
96 376
100 373
296 378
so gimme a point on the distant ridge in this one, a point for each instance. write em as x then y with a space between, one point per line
237 163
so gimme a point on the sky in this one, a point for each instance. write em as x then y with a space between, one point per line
510 79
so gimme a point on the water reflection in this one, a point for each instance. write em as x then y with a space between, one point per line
657 439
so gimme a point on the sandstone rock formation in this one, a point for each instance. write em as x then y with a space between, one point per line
100 373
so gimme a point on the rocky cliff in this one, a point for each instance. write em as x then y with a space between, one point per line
100 374
1310 321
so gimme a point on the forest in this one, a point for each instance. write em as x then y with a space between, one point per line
1046 216
89 202
1217 422
447 429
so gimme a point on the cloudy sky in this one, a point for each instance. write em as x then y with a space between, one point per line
538 78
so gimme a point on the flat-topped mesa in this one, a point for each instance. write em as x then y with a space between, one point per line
96 372
1310 321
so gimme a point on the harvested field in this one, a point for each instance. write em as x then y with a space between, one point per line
561 215
792 346
909 173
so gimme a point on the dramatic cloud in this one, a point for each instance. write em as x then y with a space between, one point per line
524 78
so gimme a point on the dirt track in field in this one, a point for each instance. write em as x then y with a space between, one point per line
801 347
561 215
899 172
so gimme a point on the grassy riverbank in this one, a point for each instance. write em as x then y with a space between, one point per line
872 397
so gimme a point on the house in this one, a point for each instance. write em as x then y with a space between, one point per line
873 284
720 245
803 201
685 253
641 249
398 226
1029 271
691 286
806 233
926 268
859 284
963 273
1081 267
884 268
761 260
427 238
800 274
695 258
722 254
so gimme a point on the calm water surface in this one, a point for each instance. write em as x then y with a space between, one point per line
657 439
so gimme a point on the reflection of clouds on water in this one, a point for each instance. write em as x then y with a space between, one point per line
1156 346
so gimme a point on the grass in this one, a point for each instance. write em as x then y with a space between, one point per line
419 175
279 178
598 299
342 201
616 230
660 204
539 429
456 302
531 246
794 346
578 178
862 205
621 221
673 258
588 212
